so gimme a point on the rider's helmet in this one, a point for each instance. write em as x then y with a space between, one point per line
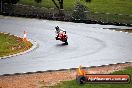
57 28
64 32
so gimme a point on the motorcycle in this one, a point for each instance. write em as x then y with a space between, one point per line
62 36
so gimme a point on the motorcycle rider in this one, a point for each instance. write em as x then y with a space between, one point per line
59 32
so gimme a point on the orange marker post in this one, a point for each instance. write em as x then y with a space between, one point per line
25 37
80 71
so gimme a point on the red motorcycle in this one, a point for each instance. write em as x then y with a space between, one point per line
62 36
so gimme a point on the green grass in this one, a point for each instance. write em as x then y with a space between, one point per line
73 84
102 6
10 44
68 4
111 6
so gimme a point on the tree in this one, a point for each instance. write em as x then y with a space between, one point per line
88 1
38 1
10 1
80 11
9 6
61 13
60 4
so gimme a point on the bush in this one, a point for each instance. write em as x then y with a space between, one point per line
80 12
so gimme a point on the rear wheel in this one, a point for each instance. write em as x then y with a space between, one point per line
56 38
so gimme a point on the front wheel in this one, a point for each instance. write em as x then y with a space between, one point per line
66 43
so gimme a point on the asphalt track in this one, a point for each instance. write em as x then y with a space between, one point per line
89 45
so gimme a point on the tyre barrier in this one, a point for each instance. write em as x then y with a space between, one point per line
81 79
101 22
69 20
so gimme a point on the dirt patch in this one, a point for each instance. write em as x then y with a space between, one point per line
46 79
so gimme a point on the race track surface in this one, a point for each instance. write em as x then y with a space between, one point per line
89 45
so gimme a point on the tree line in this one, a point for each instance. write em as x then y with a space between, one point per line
58 6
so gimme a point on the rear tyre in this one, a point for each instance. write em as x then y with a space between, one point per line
56 38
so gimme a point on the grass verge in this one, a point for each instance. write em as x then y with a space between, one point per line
68 4
10 44
101 10
73 84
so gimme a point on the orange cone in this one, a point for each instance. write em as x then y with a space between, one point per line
25 37
80 71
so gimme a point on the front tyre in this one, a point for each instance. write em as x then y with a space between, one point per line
66 43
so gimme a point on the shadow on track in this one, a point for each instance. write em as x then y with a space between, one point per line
61 45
